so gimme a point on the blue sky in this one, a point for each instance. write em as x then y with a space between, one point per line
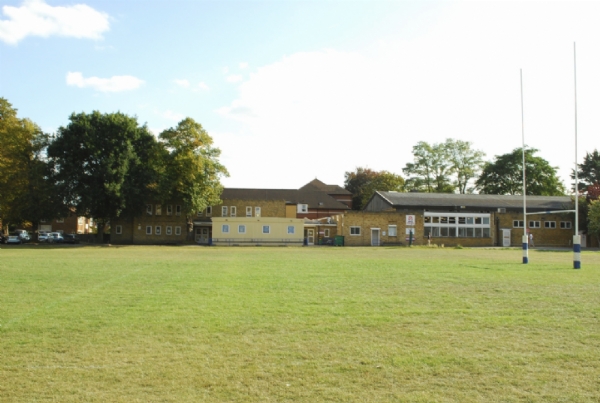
293 90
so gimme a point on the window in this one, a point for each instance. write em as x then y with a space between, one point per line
43 221
178 209
149 209
518 224
291 229
225 228
119 229
326 232
209 211
534 224
224 211
60 220
233 211
169 230
248 211
354 230
550 224
565 224
169 209
148 230
177 230
241 229
158 209
392 230
80 220
302 208
199 214
266 229
157 230
256 211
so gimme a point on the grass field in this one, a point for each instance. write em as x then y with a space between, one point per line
197 324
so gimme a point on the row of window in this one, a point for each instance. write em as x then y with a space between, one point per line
231 211
392 231
157 230
537 224
266 229
457 219
158 209
458 232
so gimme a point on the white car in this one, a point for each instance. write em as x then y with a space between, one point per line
55 237
14 239
43 236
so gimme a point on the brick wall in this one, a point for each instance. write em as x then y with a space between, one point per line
542 236
268 208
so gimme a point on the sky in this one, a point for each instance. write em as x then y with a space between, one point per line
296 90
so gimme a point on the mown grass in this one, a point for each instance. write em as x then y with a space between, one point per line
193 324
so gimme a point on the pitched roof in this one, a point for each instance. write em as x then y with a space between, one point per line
314 199
316 184
484 201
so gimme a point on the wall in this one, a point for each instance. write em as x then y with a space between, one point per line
268 208
542 236
254 235
367 220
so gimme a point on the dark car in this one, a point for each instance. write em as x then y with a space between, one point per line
3 238
70 238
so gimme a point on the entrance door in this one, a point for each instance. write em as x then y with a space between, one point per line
374 236
202 235
505 237
310 236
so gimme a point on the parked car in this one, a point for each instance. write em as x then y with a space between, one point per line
14 238
43 236
70 238
55 237
3 238
23 234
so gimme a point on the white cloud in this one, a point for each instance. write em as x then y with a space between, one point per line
243 65
202 86
112 84
369 108
234 78
174 116
36 18
182 83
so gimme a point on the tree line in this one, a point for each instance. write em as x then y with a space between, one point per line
102 165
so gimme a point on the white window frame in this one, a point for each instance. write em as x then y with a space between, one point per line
550 224
168 230
248 211
536 224
169 209
566 225
224 211
457 225
118 230
148 229
177 230
257 211
225 228
327 232
266 229
354 231
209 211
158 230
392 230
291 229
158 209
149 209
233 211
241 229
302 208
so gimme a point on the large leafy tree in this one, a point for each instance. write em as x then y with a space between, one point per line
27 194
466 163
103 165
505 175
190 170
364 182
588 172
431 169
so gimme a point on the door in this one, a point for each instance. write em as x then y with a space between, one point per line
505 237
202 235
374 236
310 236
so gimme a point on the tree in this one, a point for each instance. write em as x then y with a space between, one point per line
190 169
364 182
588 173
466 163
505 175
103 165
443 167
593 227
27 193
